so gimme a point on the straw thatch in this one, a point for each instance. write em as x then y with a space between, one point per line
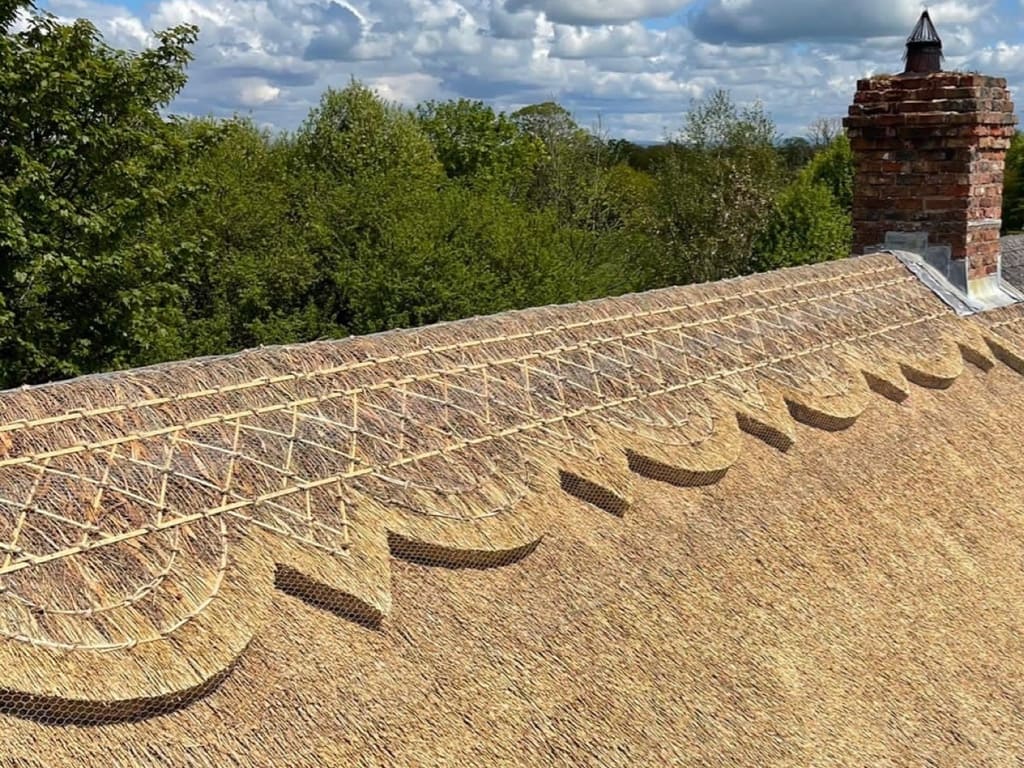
1012 252
809 593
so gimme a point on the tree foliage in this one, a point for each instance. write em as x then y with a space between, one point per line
807 224
129 237
716 191
240 241
479 146
83 154
832 166
1013 186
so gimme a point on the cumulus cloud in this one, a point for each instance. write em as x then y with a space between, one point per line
338 33
602 59
449 29
597 11
407 89
632 41
256 93
772 21
119 26
1003 58
518 25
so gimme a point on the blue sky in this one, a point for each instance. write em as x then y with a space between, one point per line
631 66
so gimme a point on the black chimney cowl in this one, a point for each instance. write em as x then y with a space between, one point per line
924 48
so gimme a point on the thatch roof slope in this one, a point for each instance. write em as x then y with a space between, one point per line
1012 247
843 593
853 601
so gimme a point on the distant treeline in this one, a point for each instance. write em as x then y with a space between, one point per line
127 237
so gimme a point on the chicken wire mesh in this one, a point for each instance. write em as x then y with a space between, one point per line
148 518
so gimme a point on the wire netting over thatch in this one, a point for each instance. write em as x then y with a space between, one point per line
1012 250
146 517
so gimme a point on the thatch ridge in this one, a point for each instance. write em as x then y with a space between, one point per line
146 515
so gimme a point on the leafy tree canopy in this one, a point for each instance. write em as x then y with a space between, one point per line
833 167
476 144
354 134
1013 186
83 150
550 122
128 237
716 191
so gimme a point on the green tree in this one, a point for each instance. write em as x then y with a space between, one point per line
366 164
355 135
398 243
479 146
465 251
1013 186
83 152
715 192
572 177
833 167
549 122
564 174
652 158
796 152
807 225
241 242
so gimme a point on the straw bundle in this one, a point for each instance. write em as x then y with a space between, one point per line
145 516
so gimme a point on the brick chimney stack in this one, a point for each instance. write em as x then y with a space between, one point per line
929 151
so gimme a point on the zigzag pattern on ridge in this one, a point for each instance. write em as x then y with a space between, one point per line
145 515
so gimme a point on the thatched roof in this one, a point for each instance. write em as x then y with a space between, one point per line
625 576
1012 247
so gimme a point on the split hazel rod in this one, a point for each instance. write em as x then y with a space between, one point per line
79 414
389 384
508 432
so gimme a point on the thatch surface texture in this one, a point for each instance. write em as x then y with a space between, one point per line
669 588
1012 251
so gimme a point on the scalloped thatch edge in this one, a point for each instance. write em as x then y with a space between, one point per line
92 687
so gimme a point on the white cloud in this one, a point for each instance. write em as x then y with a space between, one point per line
1003 58
643 86
448 28
172 12
630 41
407 89
765 21
958 12
118 25
520 25
339 31
256 93
597 11
274 58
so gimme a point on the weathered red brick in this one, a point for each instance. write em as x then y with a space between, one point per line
929 153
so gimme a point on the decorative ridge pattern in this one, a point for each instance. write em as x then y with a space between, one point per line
146 515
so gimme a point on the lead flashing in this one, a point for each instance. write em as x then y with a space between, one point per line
947 279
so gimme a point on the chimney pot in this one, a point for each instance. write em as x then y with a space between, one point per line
924 48
929 151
